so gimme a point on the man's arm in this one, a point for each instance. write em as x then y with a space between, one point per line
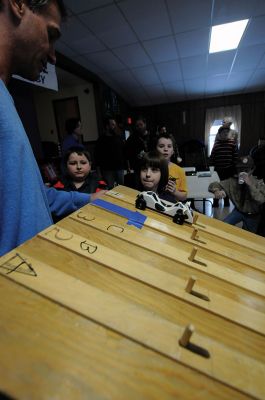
62 202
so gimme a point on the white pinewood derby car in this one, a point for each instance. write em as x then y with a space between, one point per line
179 211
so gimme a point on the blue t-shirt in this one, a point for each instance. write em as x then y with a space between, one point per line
25 202
69 142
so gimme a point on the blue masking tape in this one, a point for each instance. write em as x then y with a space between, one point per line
134 217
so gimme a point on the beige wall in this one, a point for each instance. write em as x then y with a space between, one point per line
45 113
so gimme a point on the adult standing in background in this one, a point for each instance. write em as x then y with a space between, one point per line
109 154
137 144
224 154
28 31
225 130
73 135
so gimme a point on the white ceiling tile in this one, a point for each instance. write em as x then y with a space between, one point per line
194 42
248 57
88 44
232 10
215 83
238 81
194 67
149 18
114 31
175 91
255 32
190 14
78 6
220 63
156 94
163 49
64 49
132 55
258 78
106 61
109 33
82 60
146 75
169 71
73 30
262 62
195 86
125 78
153 90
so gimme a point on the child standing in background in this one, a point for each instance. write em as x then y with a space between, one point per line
176 187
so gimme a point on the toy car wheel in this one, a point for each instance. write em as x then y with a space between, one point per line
140 203
178 218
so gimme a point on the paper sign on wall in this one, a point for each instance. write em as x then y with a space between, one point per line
47 78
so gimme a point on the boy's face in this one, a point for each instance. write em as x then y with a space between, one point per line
78 167
150 178
165 147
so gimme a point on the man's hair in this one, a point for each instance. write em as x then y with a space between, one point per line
154 159
36 5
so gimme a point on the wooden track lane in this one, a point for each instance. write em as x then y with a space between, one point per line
227 270
131 193
224 232
183 234
196 234
140 248
48 351
162 281
93 215
112 312
155 300
108 231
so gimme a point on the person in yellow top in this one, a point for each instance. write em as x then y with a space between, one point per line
176 188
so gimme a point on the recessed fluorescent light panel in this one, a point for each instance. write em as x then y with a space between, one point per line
227 36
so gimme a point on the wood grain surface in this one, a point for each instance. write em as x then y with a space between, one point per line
94 308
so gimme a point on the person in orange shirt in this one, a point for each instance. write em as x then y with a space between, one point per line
176 188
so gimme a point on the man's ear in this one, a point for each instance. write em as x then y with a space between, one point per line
18 8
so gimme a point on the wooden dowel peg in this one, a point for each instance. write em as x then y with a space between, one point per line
193 253
190 284
184 341
192 257
194 234
195 219
185 338
189 289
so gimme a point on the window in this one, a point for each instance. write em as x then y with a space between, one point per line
213 131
